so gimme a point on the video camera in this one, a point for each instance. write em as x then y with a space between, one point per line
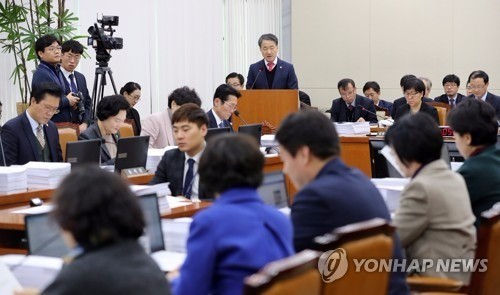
103 43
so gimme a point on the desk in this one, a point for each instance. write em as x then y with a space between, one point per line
355 151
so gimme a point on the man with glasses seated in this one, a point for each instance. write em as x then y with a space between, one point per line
225 103
48 50
236 80
31 136
478 83
451 83
351 107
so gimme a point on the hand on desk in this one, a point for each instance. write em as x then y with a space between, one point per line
172 275
27 291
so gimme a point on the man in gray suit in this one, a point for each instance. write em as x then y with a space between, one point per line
179 167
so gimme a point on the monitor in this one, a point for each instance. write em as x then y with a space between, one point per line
212 132
151 211
44 236
83 152
254 130
131 152
273 189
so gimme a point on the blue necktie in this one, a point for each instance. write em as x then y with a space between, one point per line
188 181
72 83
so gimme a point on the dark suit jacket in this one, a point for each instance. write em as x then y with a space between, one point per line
133 114
338 196
402 101
338 112
44 73
385 104
444 98
120 268
171 170
284 78
494 101
424 108
93 132
212 122
20 143
81 84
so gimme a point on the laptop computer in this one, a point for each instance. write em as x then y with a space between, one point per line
44 236
131 152
83 152
273 190
254 130
212 132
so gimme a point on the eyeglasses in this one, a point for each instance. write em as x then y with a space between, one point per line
411 94
135 97
53 48
73 57
232 106
478 87
49 109
450 85
234 84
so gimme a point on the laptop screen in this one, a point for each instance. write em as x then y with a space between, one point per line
131 152
151 211
254 130
273 190
211 132
44 236
83 152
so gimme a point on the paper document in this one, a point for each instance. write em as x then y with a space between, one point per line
160 189
35 210
390 156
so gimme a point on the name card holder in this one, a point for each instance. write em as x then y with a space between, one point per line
129 172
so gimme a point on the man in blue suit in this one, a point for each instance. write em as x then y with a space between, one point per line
451 83
75 82
48 51
479 82
271 72
31 136
351 107
330 194
225 103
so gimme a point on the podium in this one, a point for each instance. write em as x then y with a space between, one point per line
255 106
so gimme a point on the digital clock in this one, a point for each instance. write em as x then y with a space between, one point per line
446 131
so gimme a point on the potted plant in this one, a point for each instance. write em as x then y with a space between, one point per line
22 22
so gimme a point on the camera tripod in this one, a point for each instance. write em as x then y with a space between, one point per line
98 89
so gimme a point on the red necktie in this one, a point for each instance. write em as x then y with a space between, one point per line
270 66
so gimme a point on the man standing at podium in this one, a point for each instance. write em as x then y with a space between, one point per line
271 72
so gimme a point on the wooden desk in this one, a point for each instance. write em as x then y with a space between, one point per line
355 151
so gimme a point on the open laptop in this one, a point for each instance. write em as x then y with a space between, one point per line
273 190
211 132
44 236
254 130
83 152
131 152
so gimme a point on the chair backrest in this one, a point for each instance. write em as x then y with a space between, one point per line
487 282
126 130
294 275
442 109
66 134
372 239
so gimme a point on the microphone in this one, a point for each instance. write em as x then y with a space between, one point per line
370 112
1 147
384 121
237 114
255 81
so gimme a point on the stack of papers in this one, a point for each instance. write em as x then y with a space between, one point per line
46 174
351 128
390 189
268 140
154 157
13 179
160 189
175 233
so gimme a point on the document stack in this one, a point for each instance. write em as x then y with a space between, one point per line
154 158
350 128
13 179
46 174
175 233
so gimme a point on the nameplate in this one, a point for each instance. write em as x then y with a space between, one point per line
134 171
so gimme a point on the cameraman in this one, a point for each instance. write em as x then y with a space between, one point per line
75 82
